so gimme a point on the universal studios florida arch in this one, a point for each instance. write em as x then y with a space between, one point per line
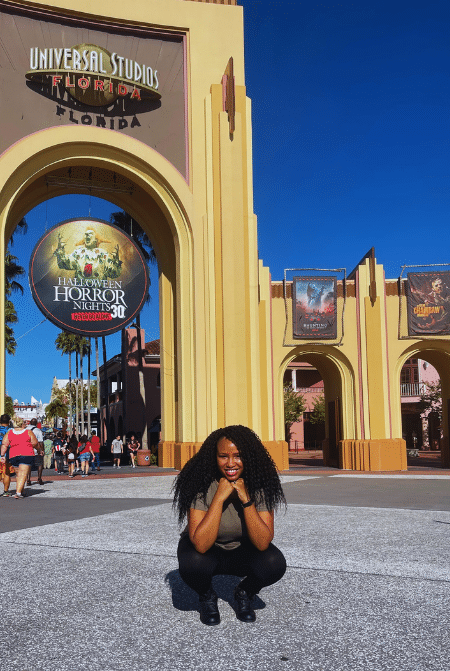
142 103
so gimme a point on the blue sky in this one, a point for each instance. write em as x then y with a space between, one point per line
350 150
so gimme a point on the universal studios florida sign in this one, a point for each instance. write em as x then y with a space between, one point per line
93 75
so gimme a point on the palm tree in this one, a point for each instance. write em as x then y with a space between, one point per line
55 409
12 271
10 318
98 378
80 349
66 343
89 390
126 223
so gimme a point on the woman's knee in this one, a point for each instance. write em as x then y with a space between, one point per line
194 563
270 565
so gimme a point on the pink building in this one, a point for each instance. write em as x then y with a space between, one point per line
420 429
120 388
306 380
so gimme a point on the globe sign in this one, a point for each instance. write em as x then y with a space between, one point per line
89 277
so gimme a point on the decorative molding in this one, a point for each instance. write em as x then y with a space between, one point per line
229 94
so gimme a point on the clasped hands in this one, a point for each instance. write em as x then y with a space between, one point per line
226 489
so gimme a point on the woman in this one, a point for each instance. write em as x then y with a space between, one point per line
85 453
228 491
133 446
72 454
21 443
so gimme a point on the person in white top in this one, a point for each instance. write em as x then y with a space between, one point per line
117 451
38 451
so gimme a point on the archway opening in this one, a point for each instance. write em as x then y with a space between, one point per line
31 371
305 436
424 407
321 379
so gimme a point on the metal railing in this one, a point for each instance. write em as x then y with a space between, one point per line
310 390
412 388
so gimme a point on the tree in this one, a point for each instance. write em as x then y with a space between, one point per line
126 223
12 271
10 318
56 408
69 343
66 343
318 414
431 400
294 407
9 406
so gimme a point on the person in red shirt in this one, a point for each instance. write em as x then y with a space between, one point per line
95 443
21 443
86 453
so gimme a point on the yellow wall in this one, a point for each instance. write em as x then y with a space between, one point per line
363 369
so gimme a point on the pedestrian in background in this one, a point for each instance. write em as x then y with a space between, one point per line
95 442
58 453
48 451
6 470
133 446
21 443
86 453
72 454
117 451
38 451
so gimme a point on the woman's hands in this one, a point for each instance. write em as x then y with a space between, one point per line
241 489
259 524
224 490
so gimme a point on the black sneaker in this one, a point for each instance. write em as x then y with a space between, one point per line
209 613
244 610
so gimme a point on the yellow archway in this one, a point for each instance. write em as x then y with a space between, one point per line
158 198
339 383
437 353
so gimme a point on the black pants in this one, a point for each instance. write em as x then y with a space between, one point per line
260 568
59 460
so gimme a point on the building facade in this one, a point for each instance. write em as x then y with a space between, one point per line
130 394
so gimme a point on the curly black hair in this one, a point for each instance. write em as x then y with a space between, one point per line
260 473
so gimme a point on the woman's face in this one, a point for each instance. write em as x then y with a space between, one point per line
229 460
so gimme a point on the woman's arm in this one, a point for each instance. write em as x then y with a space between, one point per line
4 447
204 525
33 439
259 524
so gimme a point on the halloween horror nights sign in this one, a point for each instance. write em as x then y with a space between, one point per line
89 277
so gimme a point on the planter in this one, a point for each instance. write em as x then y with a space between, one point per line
413 453
144 457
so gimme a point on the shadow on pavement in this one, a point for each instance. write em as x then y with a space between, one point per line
184 598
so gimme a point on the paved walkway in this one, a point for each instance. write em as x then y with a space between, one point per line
90 580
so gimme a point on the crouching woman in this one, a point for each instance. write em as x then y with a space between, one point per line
228 491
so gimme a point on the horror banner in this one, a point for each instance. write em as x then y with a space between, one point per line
428 299
89 277
314 308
